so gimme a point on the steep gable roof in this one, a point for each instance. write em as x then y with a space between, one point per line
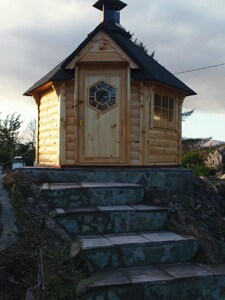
149 69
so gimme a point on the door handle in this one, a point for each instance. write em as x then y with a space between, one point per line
81 122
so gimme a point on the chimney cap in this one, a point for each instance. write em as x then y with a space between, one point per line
110 5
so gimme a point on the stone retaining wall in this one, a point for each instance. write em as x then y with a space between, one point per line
169 180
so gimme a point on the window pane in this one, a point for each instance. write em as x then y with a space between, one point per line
164 115
102 85
164 108
157 100
112 91
171 116
157 113
92 91
165 102
171 103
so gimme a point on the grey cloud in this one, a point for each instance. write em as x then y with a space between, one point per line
184 34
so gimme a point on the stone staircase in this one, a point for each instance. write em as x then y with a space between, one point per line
132 254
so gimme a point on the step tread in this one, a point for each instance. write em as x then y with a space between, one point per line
61 186
111 240
57 212
159 273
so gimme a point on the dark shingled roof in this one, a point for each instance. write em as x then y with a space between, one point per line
149 69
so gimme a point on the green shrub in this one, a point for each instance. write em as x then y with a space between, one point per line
194 160
203 170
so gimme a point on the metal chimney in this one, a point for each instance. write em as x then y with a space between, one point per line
111 10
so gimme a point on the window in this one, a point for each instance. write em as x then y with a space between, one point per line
102 96
164 108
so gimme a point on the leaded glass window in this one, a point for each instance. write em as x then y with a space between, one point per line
102 96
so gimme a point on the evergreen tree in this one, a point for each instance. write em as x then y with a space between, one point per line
9 137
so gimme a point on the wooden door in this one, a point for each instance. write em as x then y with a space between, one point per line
102 116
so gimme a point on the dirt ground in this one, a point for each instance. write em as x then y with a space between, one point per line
38 264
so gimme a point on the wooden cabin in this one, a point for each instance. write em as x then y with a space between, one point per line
109 103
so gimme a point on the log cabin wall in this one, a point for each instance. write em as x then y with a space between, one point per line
135 123
71 145
164 138
48 129
151 142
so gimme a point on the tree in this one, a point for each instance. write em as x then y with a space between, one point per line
187 114
28 138
140 44
9 137
29 134
13 143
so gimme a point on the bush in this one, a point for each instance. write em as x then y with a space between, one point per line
194 160
202 170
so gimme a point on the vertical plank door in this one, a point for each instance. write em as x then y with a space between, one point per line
102 116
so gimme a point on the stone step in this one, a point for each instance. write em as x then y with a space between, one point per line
91 194
111 219
169 180
184 281
135 249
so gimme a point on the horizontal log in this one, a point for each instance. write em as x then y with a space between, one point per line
135 155
163 143
100 56
70 121
70 162
134 146
134 137
48 150
48 158
162 151
46 112
48 103
135 103
134 162
135 122
70 154
165 135
48 164
70 89
49 135
48 143
70 147
70 110
70 130
163 159
135 88
70 102
70 113
48 128
165 125
135 114
48 121
135 130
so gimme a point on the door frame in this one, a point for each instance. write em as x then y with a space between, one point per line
104 70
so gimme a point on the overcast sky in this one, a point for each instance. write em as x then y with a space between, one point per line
35 35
